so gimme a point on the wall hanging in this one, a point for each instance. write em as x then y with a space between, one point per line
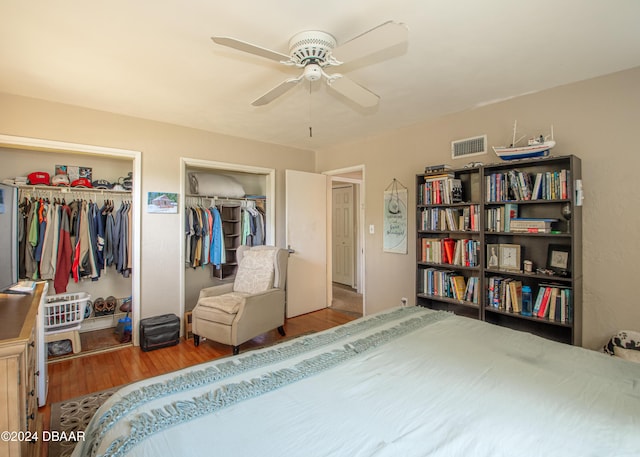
395 218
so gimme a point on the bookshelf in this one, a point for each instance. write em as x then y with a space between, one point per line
527 232
449 241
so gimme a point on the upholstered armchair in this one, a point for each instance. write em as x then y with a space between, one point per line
253 304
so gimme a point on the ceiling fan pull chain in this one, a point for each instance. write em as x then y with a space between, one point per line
310 126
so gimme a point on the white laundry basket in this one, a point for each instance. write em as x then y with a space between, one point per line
64 310
63 315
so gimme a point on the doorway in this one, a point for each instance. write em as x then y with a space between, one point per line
347 240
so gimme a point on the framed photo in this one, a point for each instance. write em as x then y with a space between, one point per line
559 259
162 202
493 259
509 257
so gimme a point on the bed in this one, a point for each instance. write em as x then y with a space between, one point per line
405 382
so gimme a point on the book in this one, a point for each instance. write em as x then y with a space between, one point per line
536 306
552 303
543 311
456 190
443 167
459 286
510 214
449 247
537 186
516 295
23 286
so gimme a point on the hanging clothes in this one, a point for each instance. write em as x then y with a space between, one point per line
59 241
65 251
204 237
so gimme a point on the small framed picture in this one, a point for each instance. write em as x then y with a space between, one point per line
559 259
493 250
162 202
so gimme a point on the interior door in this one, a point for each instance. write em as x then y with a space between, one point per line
342 234
306 233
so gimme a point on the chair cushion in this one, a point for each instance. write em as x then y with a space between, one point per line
255 272
220 308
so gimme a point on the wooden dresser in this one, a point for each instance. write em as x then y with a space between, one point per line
18 391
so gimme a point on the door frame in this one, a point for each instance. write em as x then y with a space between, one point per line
38 144
270 194
353 274
336 175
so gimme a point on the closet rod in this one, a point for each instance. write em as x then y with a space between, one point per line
65 190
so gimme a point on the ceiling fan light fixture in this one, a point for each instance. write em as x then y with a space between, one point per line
312 72
311 45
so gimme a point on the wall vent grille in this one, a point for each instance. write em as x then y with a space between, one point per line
469 147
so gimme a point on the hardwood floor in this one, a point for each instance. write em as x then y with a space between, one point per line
80 376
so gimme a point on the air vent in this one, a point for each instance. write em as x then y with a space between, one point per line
469 147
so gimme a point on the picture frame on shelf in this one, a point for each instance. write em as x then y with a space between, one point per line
509 257
559 259
493 258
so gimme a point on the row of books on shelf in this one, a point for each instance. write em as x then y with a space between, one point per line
505 219
521 185
464 218
440 189
449 284
552 302
464 252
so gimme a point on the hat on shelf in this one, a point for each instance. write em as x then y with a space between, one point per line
102 184
81 182
60 180
39 177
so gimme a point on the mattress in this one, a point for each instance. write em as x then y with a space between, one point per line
406 382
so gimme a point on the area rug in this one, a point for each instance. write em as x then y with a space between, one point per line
73 416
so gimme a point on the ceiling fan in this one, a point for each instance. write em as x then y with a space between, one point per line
314 50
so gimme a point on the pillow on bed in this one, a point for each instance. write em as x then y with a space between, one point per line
215 185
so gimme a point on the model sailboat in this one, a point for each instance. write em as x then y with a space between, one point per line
536 147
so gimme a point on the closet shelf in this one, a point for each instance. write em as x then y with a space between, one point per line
230 199
71 190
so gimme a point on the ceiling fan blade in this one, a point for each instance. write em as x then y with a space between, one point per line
250 48
353 91
277 91
378 38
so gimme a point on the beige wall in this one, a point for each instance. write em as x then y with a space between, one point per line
597 120
161 146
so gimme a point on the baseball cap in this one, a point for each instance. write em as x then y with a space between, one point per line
39 177
102 184
81 182
60 180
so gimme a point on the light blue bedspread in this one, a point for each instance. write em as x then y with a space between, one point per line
406 382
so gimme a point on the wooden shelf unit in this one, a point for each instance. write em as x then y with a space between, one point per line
476 190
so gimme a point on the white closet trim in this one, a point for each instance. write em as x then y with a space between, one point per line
38 144
269 173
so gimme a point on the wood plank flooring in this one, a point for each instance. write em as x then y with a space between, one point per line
80 376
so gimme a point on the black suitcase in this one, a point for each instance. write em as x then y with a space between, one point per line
159 332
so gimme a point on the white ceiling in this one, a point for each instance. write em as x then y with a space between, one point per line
155 59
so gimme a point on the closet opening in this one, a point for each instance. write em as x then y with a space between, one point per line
99 285
239 199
